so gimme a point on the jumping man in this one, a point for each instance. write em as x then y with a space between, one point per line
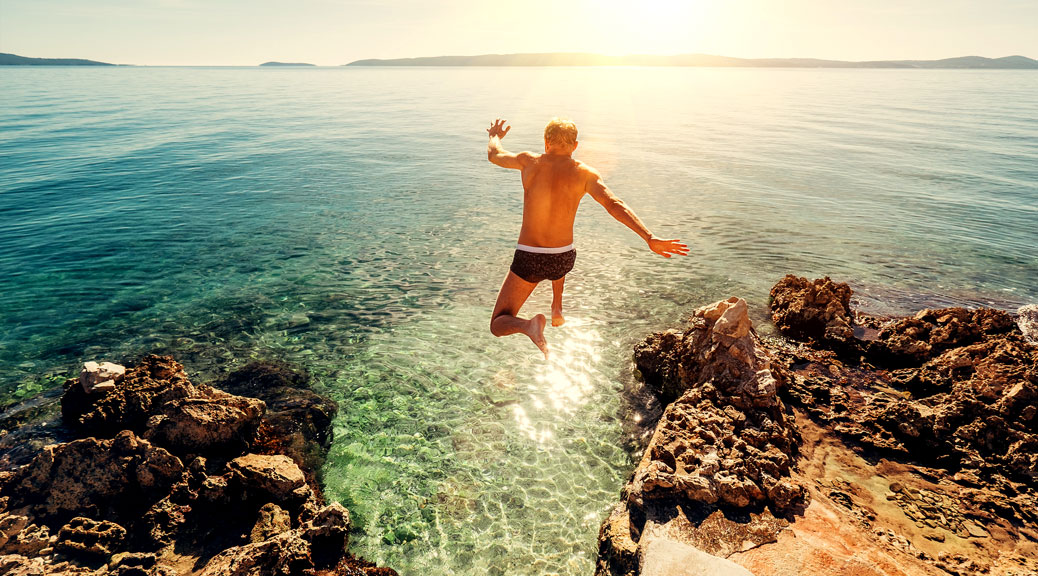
553 184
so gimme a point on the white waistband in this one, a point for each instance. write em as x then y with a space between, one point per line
543 250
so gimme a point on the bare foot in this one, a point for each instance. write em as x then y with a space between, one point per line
556 317
535 330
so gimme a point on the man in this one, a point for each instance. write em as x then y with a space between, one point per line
553 184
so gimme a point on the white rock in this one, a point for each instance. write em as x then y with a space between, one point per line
661 556
1028 321
99 377
735 320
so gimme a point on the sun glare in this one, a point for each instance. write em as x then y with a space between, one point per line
649 26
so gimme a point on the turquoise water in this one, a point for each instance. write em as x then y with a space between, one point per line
346 220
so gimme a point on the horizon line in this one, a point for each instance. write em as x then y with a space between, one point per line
647 56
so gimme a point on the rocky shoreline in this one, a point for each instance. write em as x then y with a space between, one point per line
148 474
862 446
857 445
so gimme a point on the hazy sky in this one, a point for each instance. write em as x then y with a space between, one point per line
331 32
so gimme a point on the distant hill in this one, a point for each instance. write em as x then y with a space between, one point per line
585 59
285 64
14 60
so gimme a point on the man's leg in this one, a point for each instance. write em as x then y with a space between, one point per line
556 302
505 321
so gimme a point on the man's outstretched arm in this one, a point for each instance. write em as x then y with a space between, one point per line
500 156
624 215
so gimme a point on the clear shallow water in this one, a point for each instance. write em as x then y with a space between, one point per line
346 220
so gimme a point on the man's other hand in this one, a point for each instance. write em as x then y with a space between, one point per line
667 248
498 129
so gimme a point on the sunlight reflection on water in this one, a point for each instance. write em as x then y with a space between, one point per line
566 378
562 385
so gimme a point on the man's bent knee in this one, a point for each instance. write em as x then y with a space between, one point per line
493 320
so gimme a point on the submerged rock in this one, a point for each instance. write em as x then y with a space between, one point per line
297 421
29 426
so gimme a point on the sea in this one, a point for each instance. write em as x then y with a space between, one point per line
346 221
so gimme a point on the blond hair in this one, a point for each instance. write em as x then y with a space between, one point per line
560 131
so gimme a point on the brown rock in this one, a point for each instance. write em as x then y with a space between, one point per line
273 520
112 479
18 565
210 421
974 530
154 381
727 438
214 490
284 555
90 537
170 512
329 534
816 310
10 526
163 522
276 477
913 341
617 544
133 564
935 535
724 439
297 421
672 362
29 541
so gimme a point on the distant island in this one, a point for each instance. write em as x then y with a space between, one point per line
285 64
15 60
585 59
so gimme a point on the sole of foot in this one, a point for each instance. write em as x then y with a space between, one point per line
536 333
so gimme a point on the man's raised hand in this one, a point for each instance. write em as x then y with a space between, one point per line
498 129
667 248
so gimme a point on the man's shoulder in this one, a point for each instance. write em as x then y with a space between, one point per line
527 157
587 169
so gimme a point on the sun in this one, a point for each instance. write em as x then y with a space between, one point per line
648 26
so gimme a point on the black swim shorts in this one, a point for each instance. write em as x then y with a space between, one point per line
535 267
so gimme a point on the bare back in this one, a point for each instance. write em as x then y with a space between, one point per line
553 184
552 188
